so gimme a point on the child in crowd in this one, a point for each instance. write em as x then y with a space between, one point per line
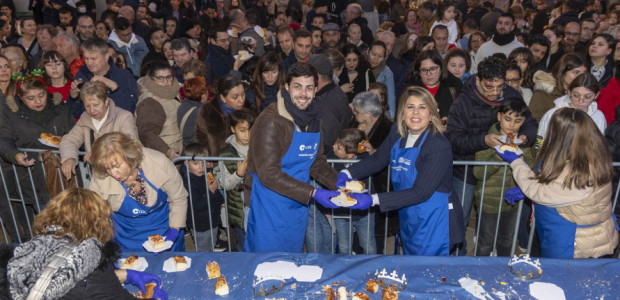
230 174
510 117
205 202
363 222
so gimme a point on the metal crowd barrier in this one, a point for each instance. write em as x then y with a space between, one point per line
22 199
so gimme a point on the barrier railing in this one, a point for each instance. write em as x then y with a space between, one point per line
329 231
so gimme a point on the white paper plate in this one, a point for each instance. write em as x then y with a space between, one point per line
230 32
42 141
250 55
149 248
517 140
259 30
141 266
341 202
170 268
519 151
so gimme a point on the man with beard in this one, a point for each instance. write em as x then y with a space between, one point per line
587 31
218 51
572 32
504 41
471 115
489 20
331 36
539 45
285 150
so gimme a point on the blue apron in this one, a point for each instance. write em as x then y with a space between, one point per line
277 223
424 227
134 222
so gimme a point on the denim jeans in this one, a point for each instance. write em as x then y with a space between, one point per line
467 200
364 224
319 233
240 237
205 240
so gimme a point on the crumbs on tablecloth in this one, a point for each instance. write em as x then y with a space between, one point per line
294 286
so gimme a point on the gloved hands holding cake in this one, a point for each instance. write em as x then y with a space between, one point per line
148 283
351 193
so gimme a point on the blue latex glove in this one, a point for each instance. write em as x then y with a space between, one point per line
508 156
341 182
323 197
159 294
140 279
364 201
172 234
514 195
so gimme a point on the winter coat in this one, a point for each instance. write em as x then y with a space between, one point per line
609 99
272 135
189 130
564 101
589 206
206 210
221 60
495 178
271 93
332 101
233 184
360 83
449 89
84 132
87 273
125 96
134 51
21 128
469 120
156 116
610 67
162 173
545 92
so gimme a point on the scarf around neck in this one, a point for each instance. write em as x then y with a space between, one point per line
164 92
378 69
307 120
505 39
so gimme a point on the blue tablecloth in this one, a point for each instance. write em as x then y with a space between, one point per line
428 277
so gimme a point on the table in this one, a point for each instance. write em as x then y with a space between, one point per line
428 277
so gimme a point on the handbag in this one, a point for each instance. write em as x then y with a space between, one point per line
55 181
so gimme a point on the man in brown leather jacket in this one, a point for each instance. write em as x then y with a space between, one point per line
285 151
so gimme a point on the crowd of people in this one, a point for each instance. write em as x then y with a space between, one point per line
405 86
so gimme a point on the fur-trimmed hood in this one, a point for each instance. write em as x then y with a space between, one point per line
11 101
544 81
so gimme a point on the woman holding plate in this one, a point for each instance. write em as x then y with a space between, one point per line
144 189
420 158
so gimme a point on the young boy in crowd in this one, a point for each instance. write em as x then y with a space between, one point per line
510 117
363 222
231 174
206 201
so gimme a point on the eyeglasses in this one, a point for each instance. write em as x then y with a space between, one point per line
513 80
581 98
568 33
164 78
429 71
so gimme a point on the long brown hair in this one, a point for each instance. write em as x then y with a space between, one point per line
268 62
574 145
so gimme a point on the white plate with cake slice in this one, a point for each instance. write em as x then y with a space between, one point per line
139 264
149 247
175 264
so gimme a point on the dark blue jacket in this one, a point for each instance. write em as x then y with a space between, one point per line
125 96
271 96
200 203
434 166
221 61
469 120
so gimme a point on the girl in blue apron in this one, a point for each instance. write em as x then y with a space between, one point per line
422 196
572 207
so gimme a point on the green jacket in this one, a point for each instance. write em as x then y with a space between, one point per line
495 177
235 201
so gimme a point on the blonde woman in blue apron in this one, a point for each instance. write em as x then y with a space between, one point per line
144 189
571 188
420 160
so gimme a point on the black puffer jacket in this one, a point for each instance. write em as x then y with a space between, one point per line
470 118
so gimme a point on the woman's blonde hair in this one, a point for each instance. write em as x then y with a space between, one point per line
574 144
80 212
426 97
115 144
